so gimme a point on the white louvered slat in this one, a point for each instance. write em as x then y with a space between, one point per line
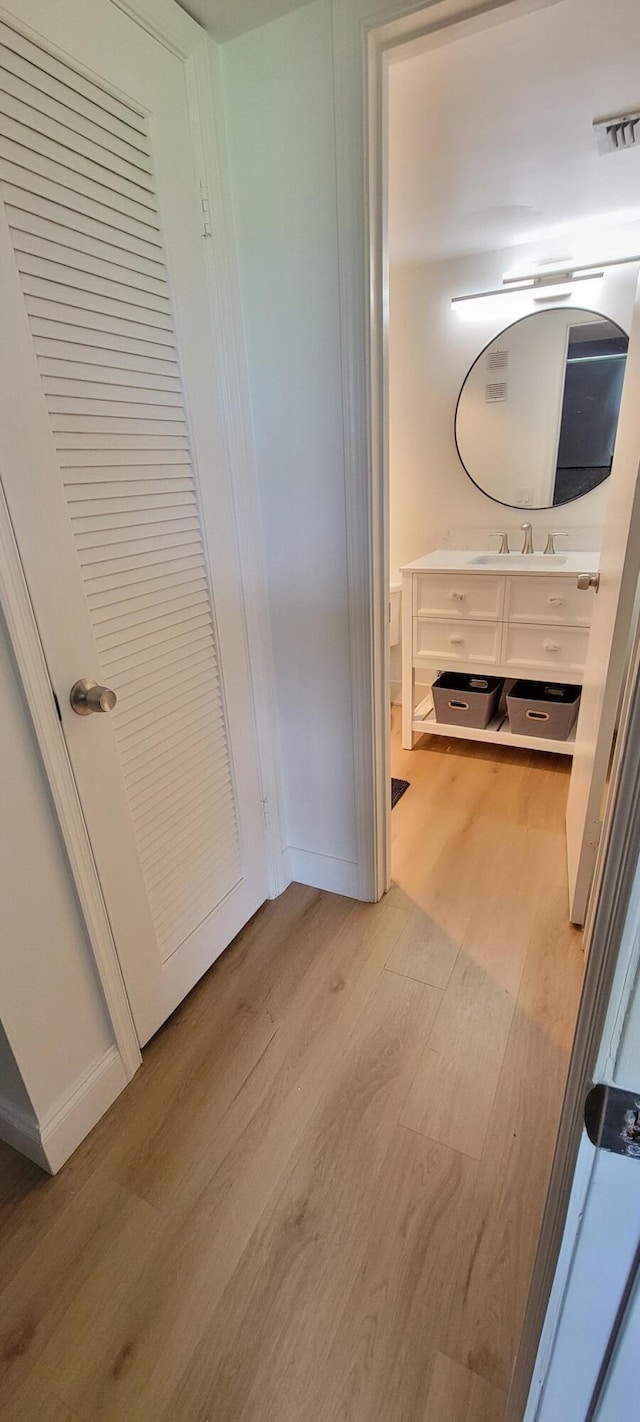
50 298
76 177
123 396
117 138
41 62
121 580
103 543
174 578
90 334
20 158
128 271
71 223
74 426
79 278
101 439
116 214
82 459
185 641
89 485
32 230
177 543
84 138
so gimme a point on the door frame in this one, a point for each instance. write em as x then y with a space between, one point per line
365 32
172 27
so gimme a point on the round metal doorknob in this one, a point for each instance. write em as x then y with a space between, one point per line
588 580
87 697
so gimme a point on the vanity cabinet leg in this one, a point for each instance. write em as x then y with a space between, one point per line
408 703
408 670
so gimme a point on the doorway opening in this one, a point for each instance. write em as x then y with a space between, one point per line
510 258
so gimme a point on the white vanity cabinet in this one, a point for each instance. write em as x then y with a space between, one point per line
530 620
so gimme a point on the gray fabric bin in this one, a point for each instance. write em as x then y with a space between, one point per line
461 699
541 708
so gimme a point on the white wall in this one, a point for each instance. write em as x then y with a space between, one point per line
279 109
56 1037
431 347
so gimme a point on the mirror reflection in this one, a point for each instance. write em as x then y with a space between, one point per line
537 415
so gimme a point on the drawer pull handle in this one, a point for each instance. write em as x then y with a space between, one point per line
455 641
537 715
551 647
459 596
458 705
556 601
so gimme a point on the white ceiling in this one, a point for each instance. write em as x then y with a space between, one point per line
491 138
226 18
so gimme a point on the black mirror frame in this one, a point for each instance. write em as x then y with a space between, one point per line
534 508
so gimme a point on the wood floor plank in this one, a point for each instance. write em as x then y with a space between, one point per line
514 1170
458 1395
218 1031
424 951
453 1091
299 1265
32 1403
89 1262
207 1233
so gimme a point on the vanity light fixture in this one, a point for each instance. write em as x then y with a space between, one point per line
549 277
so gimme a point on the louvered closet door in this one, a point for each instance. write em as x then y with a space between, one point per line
116 481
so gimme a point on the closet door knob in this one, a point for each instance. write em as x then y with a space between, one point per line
87 697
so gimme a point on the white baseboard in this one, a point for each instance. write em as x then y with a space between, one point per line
322 871
65 1127
422 687
51 1141
20 1130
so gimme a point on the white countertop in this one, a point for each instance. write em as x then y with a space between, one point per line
457 560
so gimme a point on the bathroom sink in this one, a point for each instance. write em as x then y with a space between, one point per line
518 560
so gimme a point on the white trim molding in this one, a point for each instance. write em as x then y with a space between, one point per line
322 871
365 34
51 1141
62 1129
208 129
167 22
20 1130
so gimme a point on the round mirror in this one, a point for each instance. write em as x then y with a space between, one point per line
537 415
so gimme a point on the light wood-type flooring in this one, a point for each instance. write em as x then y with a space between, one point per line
319 1199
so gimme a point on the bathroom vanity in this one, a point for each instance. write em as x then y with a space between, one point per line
512 615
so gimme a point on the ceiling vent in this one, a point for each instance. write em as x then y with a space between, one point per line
496 390
498 360
621 131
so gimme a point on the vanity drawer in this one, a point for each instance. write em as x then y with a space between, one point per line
558 649
556 601
435 640
459 595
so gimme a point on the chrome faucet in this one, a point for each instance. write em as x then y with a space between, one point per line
527 545
550 545
504 541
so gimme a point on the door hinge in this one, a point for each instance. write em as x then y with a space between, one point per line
206 209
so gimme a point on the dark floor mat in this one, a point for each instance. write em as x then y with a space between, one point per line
398 788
